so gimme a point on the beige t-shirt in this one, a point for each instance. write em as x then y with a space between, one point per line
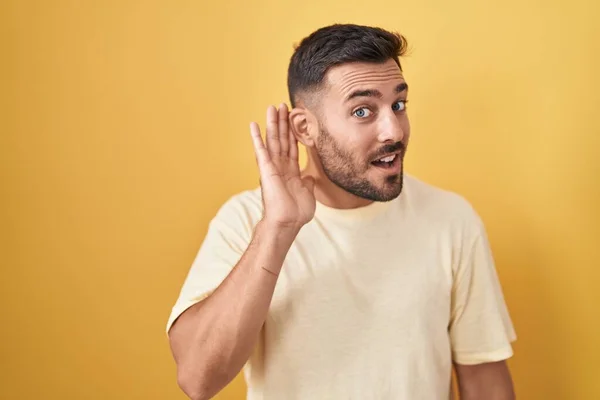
371 303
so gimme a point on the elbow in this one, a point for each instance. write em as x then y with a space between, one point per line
193 385
199 385
512 395
509 396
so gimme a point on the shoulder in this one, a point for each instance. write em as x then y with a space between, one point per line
241 211
444 206
247 202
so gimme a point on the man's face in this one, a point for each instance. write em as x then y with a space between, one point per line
364 129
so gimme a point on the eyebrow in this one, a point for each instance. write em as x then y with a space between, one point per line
374 92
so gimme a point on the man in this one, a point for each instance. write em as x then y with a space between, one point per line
349 279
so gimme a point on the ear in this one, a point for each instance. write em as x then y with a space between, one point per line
302 123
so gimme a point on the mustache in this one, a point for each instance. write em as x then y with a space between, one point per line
389 148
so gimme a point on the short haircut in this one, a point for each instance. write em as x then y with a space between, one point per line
335 45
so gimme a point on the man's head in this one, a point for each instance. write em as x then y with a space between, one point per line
349 96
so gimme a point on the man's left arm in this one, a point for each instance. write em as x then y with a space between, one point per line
489 381
480 327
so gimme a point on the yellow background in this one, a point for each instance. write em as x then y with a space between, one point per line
124 125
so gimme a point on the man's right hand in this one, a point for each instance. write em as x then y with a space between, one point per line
288 199
208 358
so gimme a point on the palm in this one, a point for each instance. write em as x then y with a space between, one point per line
288 199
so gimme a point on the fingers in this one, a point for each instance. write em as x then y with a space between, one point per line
273 144
293 143
294 164
283 129
272 157
262 155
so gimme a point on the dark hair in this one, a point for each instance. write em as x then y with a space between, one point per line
339 44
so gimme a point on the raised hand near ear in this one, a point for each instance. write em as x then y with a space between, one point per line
288 199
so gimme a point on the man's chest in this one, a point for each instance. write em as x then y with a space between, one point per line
378 284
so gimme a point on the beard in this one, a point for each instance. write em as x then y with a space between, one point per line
351 174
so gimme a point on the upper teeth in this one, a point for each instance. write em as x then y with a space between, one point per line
388 158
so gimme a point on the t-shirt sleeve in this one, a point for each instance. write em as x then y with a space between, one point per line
480 326
226 240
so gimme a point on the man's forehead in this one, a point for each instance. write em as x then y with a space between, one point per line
345 78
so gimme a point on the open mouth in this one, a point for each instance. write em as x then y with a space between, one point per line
386 162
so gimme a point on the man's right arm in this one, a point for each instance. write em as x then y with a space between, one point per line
212 340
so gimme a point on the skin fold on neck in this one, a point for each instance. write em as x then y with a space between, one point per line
327 192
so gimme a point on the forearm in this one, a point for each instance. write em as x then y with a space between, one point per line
490 381
212 340
500 393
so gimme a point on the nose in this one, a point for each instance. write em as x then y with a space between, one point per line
390 128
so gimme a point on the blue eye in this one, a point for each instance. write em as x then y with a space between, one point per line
400 105
361 112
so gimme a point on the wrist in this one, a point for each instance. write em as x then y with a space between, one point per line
279 230
276 235
272 242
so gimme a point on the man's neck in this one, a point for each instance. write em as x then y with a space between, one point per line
328 193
